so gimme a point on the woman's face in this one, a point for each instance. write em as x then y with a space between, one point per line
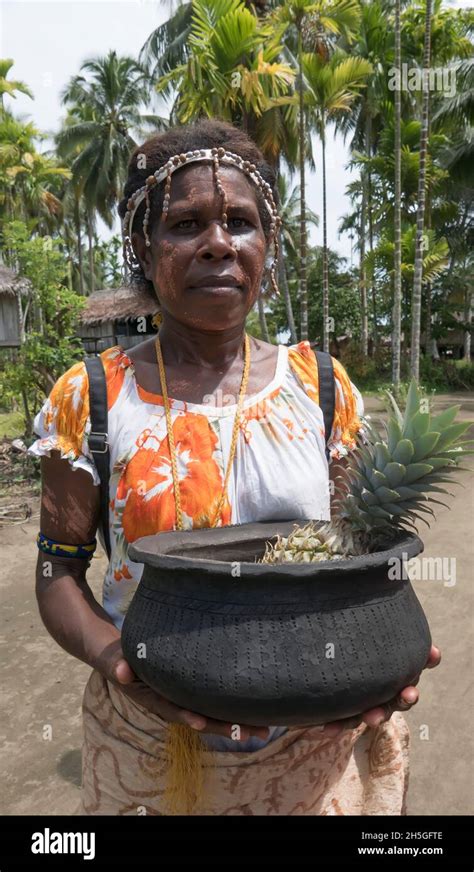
205 276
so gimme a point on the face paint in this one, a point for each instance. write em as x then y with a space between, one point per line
192 245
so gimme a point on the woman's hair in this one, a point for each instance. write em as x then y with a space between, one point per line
205 133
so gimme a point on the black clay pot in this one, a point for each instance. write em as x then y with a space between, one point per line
287 644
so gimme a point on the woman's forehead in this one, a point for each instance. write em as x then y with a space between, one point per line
197 181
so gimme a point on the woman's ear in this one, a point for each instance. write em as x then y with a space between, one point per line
143 253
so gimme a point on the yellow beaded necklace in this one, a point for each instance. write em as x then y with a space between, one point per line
184 749
174 465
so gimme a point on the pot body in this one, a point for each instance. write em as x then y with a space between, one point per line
272 644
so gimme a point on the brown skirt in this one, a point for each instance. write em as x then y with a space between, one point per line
360 772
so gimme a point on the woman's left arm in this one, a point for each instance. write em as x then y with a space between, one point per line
409 695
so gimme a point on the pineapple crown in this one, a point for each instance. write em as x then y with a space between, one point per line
389 483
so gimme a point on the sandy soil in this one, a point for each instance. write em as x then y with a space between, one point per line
43 685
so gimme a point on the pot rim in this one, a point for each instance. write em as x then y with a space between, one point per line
159 556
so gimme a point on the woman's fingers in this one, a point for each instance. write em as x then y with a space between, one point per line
239 732
124 673
434 658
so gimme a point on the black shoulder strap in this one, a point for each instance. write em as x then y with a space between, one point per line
327 391
98 439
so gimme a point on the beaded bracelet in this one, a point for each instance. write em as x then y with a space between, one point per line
50 546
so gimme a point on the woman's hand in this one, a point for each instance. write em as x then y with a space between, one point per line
404 701
116 669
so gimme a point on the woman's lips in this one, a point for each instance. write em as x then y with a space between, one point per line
219 289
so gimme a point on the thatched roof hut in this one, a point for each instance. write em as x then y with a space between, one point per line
117 316
12 288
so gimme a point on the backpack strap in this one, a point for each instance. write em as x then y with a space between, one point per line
98 439
327 391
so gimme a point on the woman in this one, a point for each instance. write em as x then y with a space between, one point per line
198 231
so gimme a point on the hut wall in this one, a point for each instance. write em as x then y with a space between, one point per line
9 321
97 337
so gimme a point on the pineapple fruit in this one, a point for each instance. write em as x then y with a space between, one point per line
386 485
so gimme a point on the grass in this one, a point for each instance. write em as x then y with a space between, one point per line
12 425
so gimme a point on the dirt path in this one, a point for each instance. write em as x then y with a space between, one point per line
41 722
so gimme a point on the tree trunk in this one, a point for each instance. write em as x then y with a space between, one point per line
428 320
364 327
262 319
91 254
28 419
397 254
79 246
303 244
325 250
283 280
468 320
368 152
418 269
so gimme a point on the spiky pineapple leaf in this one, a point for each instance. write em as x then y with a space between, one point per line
452 433
368 497
377 479
419 424
382 456
394 434
403 452
413 401
395 473
386 495
416 471
444 419
396 410
425 444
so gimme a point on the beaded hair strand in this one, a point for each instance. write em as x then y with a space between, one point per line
218 156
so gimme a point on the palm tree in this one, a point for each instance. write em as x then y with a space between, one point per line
418 272
332 87
104 101
373 42
316 25
10 86
29 181
231 72
289 213
397 227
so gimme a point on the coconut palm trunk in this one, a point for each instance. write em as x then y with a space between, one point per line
262 318
325 247
90 238
77 220
364 331
397 229
467 320
283 283
420 218
303 234
368 151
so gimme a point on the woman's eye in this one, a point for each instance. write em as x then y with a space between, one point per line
185 223
242 220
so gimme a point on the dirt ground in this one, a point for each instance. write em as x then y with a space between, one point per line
41 723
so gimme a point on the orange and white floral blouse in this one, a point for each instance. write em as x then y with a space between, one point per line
280 468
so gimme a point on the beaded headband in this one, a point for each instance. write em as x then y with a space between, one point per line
217 156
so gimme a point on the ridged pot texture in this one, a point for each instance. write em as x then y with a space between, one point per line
217 633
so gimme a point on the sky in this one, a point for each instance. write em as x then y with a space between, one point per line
50 40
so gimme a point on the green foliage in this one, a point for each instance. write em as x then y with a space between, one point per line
50 345
109 262
344 300
12 424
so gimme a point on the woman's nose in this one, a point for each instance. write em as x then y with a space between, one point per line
216 242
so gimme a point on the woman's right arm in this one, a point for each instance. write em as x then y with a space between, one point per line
70 509
68 608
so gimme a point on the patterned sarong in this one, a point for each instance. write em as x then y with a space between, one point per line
360 772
